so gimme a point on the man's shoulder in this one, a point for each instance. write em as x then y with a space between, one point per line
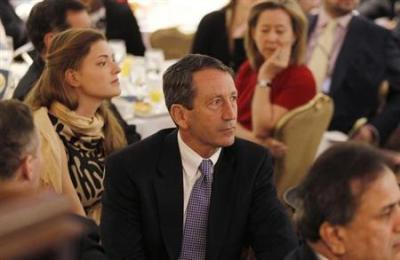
28 80
303 252
245 149
146 148
367 25
215 17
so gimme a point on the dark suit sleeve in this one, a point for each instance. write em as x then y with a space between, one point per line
271 232
121 221
90 248
389 118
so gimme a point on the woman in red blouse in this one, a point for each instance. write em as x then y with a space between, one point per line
274 79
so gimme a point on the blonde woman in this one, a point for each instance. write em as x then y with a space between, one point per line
274 79
76 126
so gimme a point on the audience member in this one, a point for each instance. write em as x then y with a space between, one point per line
77 128
194 192
374 9
350 57
273 80
349 207
45 19
3 36
309 6
13 25
117 21
20 167
220 33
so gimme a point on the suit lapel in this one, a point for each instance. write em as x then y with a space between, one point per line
221 204
347 53
169 193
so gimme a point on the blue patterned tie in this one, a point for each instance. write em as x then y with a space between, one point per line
194 241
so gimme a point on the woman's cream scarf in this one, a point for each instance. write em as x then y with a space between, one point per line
91 127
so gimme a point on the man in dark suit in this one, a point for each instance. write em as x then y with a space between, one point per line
349 210
159 205
45 19
362 56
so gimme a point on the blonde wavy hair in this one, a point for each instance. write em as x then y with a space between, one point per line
67 51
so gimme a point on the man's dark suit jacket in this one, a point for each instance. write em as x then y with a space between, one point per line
368 56
143 203
30 78
303 252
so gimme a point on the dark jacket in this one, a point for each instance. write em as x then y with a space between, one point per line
303 252
142 214
369 55
122 24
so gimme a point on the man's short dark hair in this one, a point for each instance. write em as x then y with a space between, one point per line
326 192
17 136
178 79
49 16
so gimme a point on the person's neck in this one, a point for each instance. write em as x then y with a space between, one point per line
87 108
334 15
12 188
200 149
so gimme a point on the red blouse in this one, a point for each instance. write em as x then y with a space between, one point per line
292 87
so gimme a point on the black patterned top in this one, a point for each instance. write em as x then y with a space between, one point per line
85 163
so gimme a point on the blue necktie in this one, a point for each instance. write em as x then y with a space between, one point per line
194 240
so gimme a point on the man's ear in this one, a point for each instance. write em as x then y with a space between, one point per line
47 39
179 115
71 77
25 172
333 237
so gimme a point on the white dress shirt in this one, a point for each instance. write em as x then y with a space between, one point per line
190 164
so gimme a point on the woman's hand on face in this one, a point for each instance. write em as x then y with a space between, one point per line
278 61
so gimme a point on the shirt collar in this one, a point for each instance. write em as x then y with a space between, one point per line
320 257
343 21
190 157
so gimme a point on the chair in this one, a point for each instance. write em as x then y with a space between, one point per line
173 42
301 130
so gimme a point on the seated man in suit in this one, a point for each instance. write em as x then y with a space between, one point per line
350 57
20 167
194 192
45 19
349 210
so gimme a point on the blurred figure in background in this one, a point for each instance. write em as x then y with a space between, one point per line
20 157
20 169
350 58
45 19
274 79
76 126
117 21
309 6
220 34
13 25
373 9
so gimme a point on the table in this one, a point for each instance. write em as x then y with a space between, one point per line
145 125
